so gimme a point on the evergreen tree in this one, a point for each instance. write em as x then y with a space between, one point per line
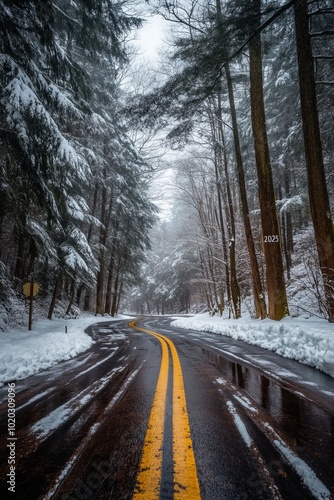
60 129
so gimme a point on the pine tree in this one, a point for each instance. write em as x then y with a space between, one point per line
60 129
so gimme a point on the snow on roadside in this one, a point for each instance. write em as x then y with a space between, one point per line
23 353
309 341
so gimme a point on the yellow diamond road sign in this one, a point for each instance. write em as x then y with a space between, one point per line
27 289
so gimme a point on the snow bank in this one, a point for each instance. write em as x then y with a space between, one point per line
309 341
23 353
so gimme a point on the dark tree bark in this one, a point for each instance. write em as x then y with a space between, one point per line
32 257
116 289
220 223
55 294
72 295
88 293
283 220
259 300
289 228
21 254
105 218
277 299
114 252
219 216
108 304
234 285
317 188
102 240
206 281
119 297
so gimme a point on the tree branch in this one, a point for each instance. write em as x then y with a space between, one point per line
264 25
322 33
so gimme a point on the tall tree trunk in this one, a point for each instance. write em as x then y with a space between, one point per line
20 265
277 299
114 251
284 237
235 290
88 291
105 221
114 301
259 300
206 281
55 294
289 230
101 272
32 258
71 297
220 223
317 188
108 304
219 216
119 297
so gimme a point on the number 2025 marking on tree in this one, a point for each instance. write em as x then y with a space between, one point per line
274 238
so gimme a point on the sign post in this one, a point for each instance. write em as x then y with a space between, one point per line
30 290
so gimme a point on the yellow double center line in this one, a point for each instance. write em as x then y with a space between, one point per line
148 483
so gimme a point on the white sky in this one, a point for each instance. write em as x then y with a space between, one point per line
150 37
149 40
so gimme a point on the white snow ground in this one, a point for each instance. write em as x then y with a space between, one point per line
309 341
23 353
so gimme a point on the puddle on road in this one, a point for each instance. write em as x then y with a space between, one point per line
300 418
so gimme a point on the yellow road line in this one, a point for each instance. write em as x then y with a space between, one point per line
149 476
186 486
185 472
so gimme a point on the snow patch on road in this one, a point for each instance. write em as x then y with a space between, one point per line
96 364
239 424
94 428
58 416
35 398
308 476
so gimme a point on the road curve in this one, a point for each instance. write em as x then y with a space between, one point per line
152 412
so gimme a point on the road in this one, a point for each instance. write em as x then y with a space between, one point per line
153 412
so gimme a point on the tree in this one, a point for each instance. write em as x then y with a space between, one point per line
60 131
260 304
318 195
277 299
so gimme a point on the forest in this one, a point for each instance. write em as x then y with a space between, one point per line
243 98
74 211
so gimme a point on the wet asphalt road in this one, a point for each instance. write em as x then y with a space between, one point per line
260 426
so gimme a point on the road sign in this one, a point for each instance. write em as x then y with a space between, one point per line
30 289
